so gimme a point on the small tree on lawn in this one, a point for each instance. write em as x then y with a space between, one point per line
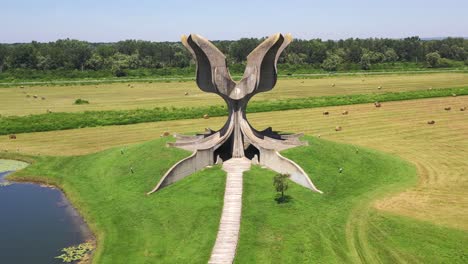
280 181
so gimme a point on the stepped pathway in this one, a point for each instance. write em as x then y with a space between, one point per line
225 246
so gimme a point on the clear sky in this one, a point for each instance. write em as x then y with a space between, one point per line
113 20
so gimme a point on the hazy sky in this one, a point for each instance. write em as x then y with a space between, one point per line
108 21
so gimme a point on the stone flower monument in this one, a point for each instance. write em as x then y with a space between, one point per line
237 138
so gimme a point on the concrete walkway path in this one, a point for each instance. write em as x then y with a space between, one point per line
225 246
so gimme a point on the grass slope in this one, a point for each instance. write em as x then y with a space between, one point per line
176 225
63 121
179 223
339 226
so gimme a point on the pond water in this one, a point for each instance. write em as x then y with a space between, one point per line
36 223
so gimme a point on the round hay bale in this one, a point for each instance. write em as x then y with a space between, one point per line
43 98
463 108
326 113
338 128
380 87
377 104
186 93
454 95
345 112
448 108
431 122
35 96
165 134
206 116
333 85
12 136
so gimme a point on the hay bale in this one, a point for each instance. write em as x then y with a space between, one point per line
35 96
431 122
338 128
333 85
377 104
12 136
28 96
326 113
345 112
165 134
454 95
43 98
463 108
380 87
206 116
186 93
448 108
49 111
22 87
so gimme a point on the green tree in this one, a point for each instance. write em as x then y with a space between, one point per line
332 62
280 181
241 48
79 53
294 58
3 56
365 62
433 59
23 56
96 62
391 55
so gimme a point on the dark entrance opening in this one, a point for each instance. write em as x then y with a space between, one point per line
225 150
251 151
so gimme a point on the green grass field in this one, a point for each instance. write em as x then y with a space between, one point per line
179 223
381 209
124 96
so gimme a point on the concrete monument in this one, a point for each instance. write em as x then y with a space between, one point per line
237 138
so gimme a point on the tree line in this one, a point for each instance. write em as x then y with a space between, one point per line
329 55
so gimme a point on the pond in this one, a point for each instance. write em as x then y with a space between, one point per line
36 222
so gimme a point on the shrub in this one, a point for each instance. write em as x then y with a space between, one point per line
80 101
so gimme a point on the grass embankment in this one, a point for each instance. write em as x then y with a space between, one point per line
62 121
179 223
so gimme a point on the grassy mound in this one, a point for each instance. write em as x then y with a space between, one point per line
179 223
176 225
339 226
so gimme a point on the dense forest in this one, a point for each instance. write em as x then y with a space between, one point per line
118 58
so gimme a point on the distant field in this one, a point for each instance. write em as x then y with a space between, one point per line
14 101
439 151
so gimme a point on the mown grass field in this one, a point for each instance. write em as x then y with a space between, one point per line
426 221
179 223
439 151
120 96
